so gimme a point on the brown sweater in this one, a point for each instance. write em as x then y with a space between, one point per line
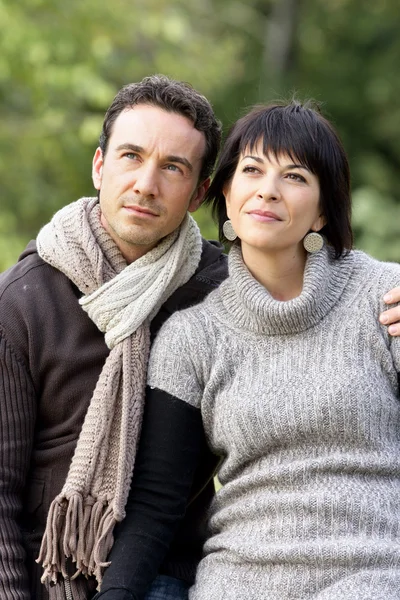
51 355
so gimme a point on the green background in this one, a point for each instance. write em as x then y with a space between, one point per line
61 64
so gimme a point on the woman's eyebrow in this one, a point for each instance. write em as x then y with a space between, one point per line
256 158
296 166
289 166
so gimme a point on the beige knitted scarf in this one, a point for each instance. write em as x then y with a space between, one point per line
121 300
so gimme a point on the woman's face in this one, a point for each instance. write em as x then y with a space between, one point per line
273 203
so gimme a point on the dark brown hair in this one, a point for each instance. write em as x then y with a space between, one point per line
172 96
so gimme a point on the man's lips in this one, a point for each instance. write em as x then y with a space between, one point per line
265 216
140 210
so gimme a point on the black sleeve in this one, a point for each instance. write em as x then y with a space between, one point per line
170 445
17 420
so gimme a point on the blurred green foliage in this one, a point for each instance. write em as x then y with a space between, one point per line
61 64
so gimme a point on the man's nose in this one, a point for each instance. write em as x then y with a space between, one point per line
146 181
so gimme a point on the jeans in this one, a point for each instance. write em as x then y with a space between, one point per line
168 588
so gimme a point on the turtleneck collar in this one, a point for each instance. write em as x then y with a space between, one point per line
250 306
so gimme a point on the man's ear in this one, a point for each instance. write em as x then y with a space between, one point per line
97 168
199 195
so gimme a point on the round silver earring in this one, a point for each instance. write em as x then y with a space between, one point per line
313 242
228 230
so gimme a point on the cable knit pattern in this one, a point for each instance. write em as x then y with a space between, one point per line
301 400
121 300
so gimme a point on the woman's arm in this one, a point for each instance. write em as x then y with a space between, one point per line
171 441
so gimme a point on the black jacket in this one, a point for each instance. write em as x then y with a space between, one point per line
51 355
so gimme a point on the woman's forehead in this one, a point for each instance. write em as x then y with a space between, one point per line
259 150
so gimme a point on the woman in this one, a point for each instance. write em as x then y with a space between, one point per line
294 381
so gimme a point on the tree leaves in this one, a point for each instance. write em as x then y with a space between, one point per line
61 64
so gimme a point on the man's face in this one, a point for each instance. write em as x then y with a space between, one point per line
149 177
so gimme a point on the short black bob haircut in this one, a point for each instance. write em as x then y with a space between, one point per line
301 132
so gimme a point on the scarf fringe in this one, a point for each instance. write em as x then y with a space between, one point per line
79 529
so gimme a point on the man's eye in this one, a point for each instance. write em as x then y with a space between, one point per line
131 155
173 168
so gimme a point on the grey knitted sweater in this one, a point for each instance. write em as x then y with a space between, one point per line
300 398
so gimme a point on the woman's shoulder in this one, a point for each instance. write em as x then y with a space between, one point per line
372 279
376 271
191 325
182 354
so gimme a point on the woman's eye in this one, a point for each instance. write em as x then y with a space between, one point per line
296 177
250 169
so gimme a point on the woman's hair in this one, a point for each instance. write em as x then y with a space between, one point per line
301 132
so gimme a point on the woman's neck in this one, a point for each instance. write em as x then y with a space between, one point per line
281 273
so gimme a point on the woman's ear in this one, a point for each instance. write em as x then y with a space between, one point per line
226 190
319 223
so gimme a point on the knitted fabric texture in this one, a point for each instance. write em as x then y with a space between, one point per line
121 300
301 400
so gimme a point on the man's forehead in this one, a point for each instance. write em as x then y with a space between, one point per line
152 127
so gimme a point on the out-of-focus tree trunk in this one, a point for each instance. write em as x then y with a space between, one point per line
280 39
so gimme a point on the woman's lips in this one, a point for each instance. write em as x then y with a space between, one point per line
265 216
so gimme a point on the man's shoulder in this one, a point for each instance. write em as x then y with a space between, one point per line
29 260
30 289
29 277
211 272
213 266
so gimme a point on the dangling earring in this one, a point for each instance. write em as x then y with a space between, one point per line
313 242
228 230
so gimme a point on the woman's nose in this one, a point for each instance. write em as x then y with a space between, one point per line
269 189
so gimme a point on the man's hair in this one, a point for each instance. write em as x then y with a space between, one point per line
172 96
301 132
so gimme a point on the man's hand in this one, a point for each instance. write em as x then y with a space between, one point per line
391 317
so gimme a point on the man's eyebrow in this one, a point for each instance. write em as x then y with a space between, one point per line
131 147
181 160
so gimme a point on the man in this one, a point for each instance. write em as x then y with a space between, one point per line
76 315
